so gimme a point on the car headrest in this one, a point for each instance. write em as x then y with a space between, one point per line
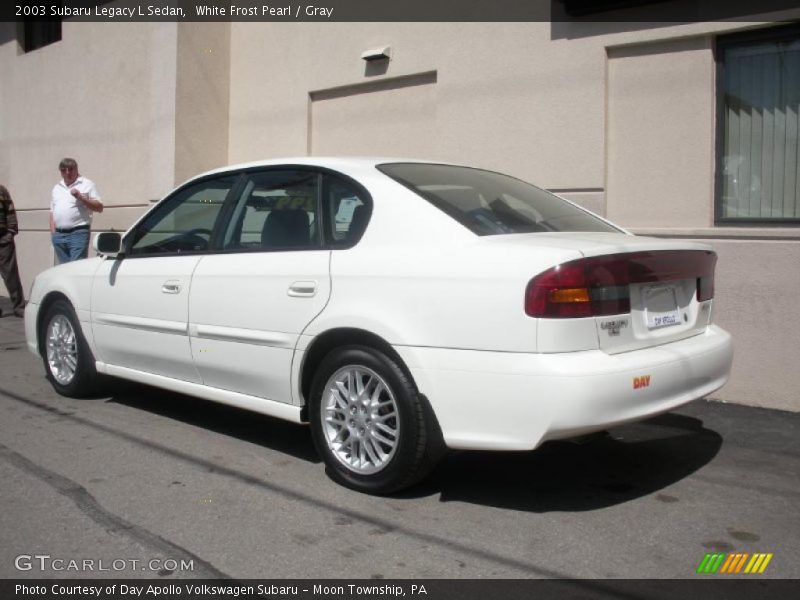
285 229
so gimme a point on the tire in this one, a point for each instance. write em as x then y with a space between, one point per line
377 440
68 362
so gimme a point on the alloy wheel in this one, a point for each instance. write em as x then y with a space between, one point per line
62 349
360 419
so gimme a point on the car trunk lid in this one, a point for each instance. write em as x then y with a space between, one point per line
633 292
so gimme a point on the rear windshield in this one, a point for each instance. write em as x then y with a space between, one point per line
489 203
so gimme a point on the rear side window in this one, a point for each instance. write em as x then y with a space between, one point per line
276 210
489 203
349 209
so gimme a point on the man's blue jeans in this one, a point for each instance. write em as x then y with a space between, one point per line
71 246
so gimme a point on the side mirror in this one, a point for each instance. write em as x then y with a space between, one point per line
108 243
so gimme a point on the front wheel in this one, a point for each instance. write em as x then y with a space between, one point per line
368 422
67 359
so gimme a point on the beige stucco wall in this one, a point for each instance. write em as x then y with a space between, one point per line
104 95
140 106
617 116
660 123
506 96
201 98
756 286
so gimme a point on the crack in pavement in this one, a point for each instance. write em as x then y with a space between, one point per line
597 588
88 505
290 494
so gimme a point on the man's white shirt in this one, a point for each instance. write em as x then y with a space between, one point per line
67 210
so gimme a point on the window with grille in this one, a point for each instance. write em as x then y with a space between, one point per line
758 169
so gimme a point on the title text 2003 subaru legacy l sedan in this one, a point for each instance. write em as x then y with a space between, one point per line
400 308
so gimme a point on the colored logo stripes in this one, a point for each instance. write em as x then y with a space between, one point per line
734 563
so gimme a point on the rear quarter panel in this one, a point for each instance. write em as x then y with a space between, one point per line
419 278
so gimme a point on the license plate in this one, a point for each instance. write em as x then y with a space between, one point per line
661 307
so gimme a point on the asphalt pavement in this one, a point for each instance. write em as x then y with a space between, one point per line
139 482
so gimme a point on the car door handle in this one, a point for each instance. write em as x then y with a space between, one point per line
171 287
303 289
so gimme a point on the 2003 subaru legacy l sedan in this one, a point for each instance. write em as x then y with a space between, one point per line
400 308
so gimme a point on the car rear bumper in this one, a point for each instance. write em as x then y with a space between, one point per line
516 401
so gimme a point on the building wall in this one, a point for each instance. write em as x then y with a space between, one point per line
140 106
503 95
202 99
104 95
617 116
660 150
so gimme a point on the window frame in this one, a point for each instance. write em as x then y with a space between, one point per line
722 43
328 218
169 203
324 223
460 217
228 212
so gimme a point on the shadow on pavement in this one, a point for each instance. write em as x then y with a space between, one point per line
632 461
282 436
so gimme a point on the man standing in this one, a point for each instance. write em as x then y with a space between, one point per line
74 200
8 252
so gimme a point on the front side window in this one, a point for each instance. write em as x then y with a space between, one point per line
759 159
276 210
489 203
183 222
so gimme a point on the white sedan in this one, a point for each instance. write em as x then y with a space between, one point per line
399 308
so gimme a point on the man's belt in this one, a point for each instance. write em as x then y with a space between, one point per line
71 229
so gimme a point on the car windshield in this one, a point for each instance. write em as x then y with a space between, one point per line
489 203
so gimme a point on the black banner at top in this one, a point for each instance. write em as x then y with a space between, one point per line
674 11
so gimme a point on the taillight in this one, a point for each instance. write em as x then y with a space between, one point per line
705 286
599 286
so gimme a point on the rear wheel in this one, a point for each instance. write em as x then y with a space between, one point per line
368 422
67 359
